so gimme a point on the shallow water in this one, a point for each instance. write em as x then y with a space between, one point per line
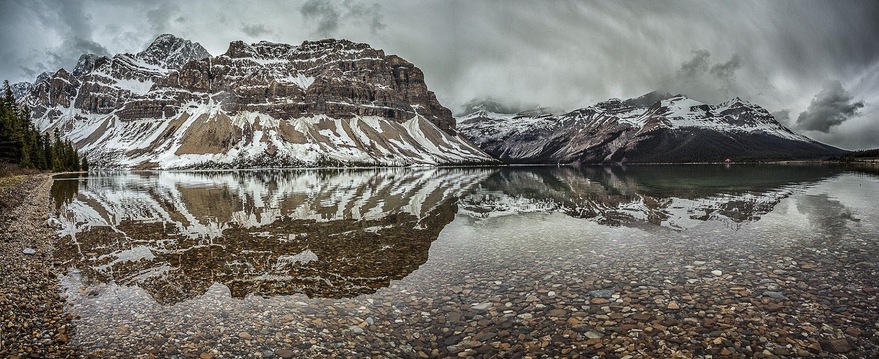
609 261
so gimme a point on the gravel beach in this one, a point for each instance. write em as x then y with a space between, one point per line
34 323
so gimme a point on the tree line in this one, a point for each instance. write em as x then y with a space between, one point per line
23 145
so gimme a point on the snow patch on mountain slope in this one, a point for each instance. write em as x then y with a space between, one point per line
299 80
135 86
147 142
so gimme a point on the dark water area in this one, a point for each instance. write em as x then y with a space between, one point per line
640 261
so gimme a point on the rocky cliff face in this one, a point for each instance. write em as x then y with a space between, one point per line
322 102
656 127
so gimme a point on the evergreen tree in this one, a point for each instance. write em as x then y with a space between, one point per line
8 127
85 163
37 155
47 150
57 152
22 144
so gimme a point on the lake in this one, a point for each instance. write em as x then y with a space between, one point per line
658 261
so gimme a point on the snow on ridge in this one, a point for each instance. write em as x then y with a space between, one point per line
135 86
122 142
304 82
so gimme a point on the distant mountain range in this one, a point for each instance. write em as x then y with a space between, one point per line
173 105
655 128
339 103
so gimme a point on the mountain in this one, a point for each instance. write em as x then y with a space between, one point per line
173 105
654 128
19 89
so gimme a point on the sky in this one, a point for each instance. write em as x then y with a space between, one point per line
814 64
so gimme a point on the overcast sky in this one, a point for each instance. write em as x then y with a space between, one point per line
815 64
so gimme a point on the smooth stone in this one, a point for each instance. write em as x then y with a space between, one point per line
285 353
601 293
717 273
355 329
481 306
29 251
593 334
838 346
774 295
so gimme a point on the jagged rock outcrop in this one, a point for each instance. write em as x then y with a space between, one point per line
322 102
656 127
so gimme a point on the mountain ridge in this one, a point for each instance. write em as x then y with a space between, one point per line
657 127
173 105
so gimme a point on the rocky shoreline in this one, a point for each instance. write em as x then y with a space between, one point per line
34 323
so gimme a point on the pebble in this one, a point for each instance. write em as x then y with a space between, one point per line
601 293
774 295
285 353
481 306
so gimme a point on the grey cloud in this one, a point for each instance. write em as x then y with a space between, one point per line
326 14
160 17
254 30
329 13
830 107
76 27
726 70
371 14
696 65
782 116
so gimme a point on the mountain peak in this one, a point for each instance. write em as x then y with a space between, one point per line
648 99
172 52
85 64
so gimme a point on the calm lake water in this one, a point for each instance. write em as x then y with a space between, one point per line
608 261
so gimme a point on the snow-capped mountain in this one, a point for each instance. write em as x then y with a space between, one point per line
656 127
173 105
19 89
325 233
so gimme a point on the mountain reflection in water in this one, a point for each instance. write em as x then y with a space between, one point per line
343 233
676 197
323 233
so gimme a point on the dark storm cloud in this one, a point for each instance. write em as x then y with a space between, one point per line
695 66
77 34
726 70
830 107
